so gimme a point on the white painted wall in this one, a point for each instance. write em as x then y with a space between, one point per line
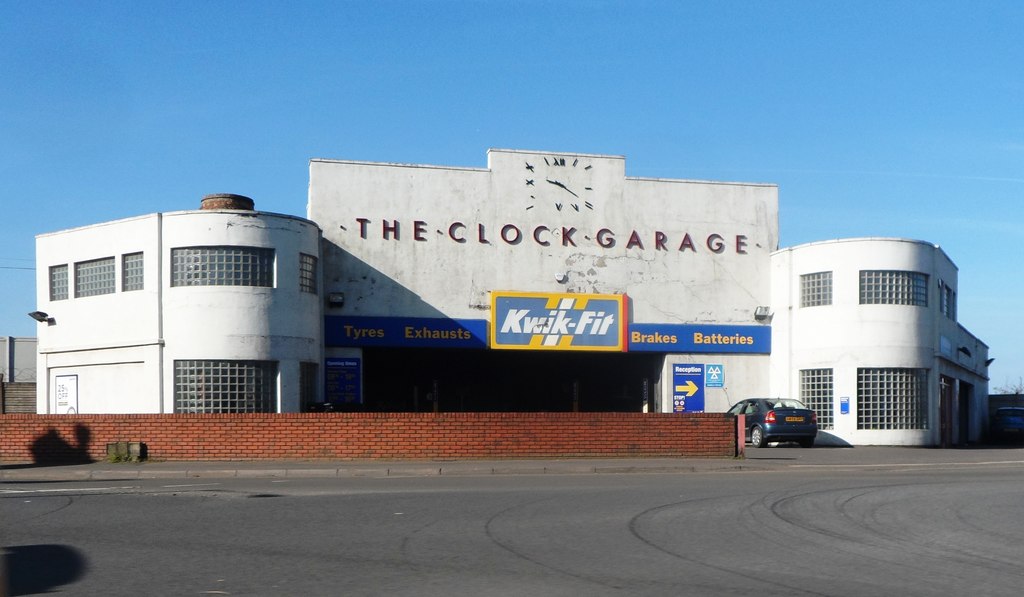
123 345
846 335
425 271
277 324
439 276
110 381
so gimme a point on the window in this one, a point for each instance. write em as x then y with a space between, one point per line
886 287
947 300
222 266
225 386
58 282
94 277
308 373
816 289
307 273
816 393
131 272
892 398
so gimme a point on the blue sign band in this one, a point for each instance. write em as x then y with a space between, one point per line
412 332
700 338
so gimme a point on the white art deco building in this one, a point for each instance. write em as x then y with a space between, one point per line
213 310
865 331
541 282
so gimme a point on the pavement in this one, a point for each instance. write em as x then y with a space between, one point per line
755 460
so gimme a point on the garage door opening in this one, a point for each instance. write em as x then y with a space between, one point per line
415 380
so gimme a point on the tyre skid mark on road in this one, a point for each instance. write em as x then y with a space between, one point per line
489 531
871 547
943 551
882 543
759 580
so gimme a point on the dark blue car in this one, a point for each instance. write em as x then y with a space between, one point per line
777 420
1008 424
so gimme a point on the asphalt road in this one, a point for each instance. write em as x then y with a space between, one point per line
782 522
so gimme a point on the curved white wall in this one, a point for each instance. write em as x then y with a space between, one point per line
280 323
121 347
846 335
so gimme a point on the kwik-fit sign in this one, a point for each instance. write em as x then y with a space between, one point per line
535 321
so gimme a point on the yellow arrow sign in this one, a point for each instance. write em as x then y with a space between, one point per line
689 388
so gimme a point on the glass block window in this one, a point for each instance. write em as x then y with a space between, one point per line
58 282
222 266
816 392
947 300
94 277
307 273
887 287
131 272
225 386
893 398
816 289
308 377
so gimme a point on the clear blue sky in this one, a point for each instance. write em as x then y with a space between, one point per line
874 118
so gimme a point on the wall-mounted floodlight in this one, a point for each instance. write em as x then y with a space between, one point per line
41 317
336 299
966 351
762 313
989 361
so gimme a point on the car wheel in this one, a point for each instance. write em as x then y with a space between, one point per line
757 438
806 442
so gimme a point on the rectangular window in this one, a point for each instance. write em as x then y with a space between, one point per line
58 282
131 271
222 266
887 287
94 277
892 398
816 289
221 386
947 300
816 391
307 273
308 378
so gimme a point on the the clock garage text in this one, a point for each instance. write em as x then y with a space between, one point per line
546 236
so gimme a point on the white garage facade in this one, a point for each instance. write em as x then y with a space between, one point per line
541 282
866 332
211 310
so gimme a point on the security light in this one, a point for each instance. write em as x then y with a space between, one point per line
41 317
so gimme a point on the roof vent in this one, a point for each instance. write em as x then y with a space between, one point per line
227 201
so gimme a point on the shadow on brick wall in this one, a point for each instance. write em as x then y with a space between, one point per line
52 448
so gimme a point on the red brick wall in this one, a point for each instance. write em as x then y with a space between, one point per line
40 438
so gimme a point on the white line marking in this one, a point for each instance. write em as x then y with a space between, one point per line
66 490
908 464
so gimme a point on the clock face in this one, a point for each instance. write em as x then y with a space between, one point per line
561 182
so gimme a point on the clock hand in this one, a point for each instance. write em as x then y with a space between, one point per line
558 184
